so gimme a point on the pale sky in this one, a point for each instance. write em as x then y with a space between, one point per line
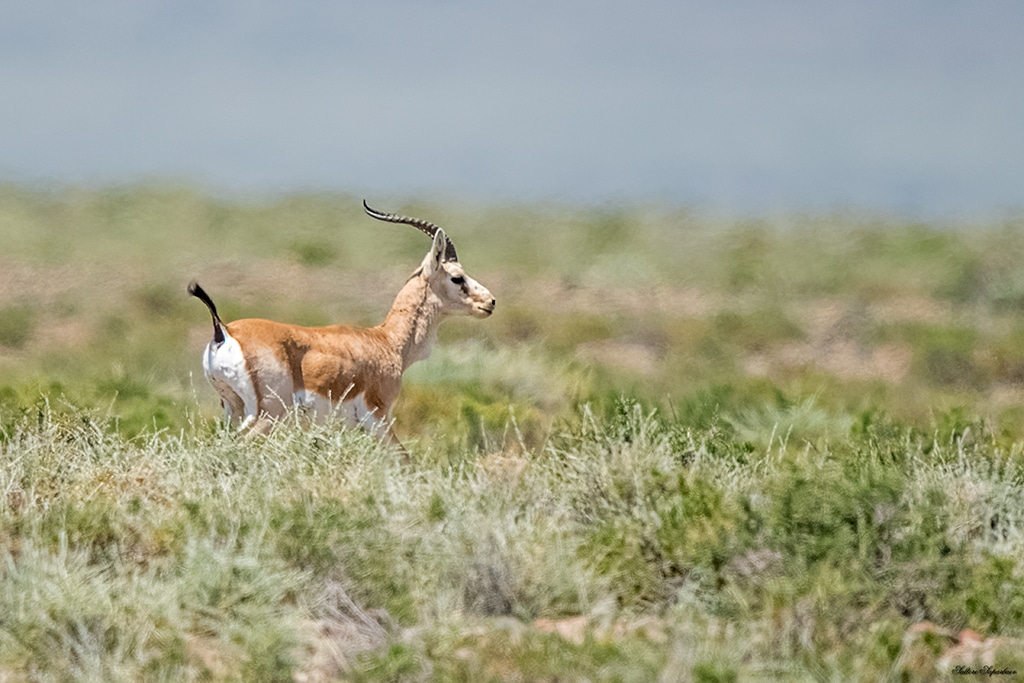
737 104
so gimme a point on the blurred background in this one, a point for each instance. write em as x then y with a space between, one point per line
794 215
908 105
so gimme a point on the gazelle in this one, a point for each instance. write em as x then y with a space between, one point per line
261 368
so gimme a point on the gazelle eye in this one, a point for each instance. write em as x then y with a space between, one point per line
458 280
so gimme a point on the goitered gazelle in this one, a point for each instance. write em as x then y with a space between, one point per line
261 368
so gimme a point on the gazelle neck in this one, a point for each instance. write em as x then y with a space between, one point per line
411 324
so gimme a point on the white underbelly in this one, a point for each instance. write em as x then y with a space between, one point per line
353 410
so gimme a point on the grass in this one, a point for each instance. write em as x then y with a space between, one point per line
684 448
628 546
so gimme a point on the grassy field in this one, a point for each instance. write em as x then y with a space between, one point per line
686 447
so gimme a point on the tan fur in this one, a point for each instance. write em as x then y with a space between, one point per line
332 361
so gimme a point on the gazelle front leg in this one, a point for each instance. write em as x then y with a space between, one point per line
391 439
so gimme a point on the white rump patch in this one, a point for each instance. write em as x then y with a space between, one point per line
224 366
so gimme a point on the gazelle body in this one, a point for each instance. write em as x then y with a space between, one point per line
261 368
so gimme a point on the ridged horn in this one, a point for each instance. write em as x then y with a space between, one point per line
421 225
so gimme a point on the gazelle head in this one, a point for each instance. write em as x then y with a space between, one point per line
458 293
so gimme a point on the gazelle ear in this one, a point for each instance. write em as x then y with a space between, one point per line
432 263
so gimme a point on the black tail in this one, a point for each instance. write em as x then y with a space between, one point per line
218 326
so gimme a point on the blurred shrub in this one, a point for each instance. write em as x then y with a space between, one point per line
17 323
757 330
313 253
947 359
